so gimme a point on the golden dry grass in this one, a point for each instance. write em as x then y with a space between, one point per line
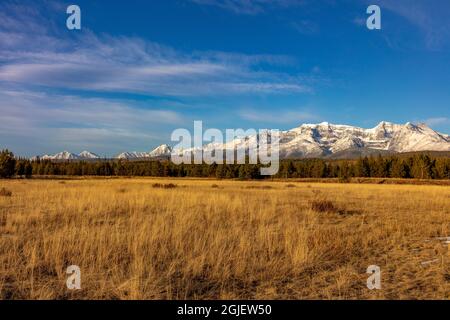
208 239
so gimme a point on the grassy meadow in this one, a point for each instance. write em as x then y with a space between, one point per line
143 238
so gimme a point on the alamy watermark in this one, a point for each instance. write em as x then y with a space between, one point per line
374 281
74 280
73 22
239 147
374 20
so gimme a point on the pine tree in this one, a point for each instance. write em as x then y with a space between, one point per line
7 164
220 172
363 167
290 170
28 170
20 168
422 167
400 169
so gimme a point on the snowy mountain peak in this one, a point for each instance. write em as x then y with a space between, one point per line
132 155
384 125
162 150
65 155
88 155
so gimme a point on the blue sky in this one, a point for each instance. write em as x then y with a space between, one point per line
137 70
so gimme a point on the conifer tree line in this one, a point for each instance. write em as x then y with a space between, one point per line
418 166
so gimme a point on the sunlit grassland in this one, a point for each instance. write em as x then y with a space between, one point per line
208 239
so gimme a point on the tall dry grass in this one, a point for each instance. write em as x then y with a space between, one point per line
222 239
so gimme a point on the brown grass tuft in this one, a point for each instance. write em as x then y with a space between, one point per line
259 187
164 185
5 192
323 206
3 219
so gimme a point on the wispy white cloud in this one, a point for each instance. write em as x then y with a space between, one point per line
250 7
439 121
306 27
430 18
360 21
39 68
69 121
105 63
277 116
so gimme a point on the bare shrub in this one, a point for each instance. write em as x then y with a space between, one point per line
259 187
344 180
170 186
164 185
3 219
323 206
5 192
326 206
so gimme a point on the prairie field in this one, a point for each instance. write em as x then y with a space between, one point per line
142 238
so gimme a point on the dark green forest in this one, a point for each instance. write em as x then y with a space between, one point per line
417 166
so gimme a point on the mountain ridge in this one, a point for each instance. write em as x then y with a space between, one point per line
323 140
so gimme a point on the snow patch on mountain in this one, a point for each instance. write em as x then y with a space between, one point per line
161 151
88 155
132 155
65 155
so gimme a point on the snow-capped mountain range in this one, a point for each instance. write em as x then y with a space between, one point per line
315 140
341 141
161 151
325 139
66 155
